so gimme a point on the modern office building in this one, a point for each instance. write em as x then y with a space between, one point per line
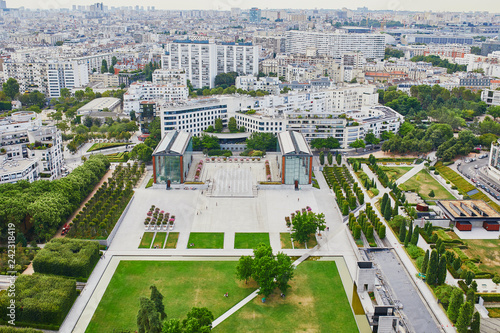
372 46
139 92
254 15
490 47
192 116
295 160
439 39
172 158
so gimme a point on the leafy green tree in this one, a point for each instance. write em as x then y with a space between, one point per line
172 326
218 125
371 139
432 268
141 152
321 158
262 141
306 223
330 158
425 262
456 301
388 214
359 143
227 79
469 276
244 268
232 126
494 111
199 320
284 271
328 143
471 296
11 88
148 319
104 66
464 317
264 272
157 299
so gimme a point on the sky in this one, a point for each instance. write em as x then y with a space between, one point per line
492 6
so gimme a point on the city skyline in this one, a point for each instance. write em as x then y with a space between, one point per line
491 6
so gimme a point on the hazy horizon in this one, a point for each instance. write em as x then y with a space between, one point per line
492 6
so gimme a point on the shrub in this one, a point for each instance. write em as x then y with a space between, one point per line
41 299
12 329
67 257
415 252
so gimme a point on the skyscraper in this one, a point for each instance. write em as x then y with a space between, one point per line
255 15
3 4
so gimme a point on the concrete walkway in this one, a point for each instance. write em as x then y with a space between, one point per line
416 169
235 308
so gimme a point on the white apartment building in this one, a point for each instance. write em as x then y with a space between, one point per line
65 75
242 58
491 97
146 91
372 46
203 60
193 116
31 76
197 58
173 76
28 150
106 79
94 62
252 83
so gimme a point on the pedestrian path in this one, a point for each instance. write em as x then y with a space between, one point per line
416 169
235 308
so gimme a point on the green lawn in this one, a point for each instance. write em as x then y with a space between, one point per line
423 183
105 145
488 250
172 240
159 239
206 240
146 240
250 240
184 284
286 240
316 303
395 173
312 242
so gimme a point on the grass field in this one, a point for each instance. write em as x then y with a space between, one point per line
206 240
494 312
172 240
312 242
395 173
316 303
184 284
250 240
105 145
488 250
286 240
423 183
159 239
146 240
117 157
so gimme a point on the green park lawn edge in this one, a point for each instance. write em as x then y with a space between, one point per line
250 240
147 239
317 300
424 184
286 240
172 239
105 145
159 240
206 240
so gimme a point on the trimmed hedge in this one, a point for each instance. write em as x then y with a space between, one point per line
12 329
40 299
67 257
489 297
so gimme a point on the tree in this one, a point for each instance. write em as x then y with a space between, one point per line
199 320
157 299
306 223
409 234
371 139
264 272
456 300
415 236
338 159
218 125
388 214
284 271
244 268
321 158
328 143
469 276
172 326
476 323
359 143
425 262
141 152
232 126
432 268
262 141
104 66
11 88
441 273
330 158
464 317
470 296
381 231
402 229
229 79
432 194
148 319
494 111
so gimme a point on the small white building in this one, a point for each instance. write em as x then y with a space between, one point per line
108 104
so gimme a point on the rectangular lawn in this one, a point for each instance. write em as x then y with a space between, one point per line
146 240
286 240
159 240
488 250
395 173
423 183
206 240
172 240
316 302
184 284
250 240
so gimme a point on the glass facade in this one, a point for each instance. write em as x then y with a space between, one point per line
167 168
297 168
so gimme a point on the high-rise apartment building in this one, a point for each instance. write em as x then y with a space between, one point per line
242 58
65 75
372 46
254 15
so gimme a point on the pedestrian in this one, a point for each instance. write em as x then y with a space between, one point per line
298 199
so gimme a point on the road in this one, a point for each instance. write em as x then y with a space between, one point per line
480 176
